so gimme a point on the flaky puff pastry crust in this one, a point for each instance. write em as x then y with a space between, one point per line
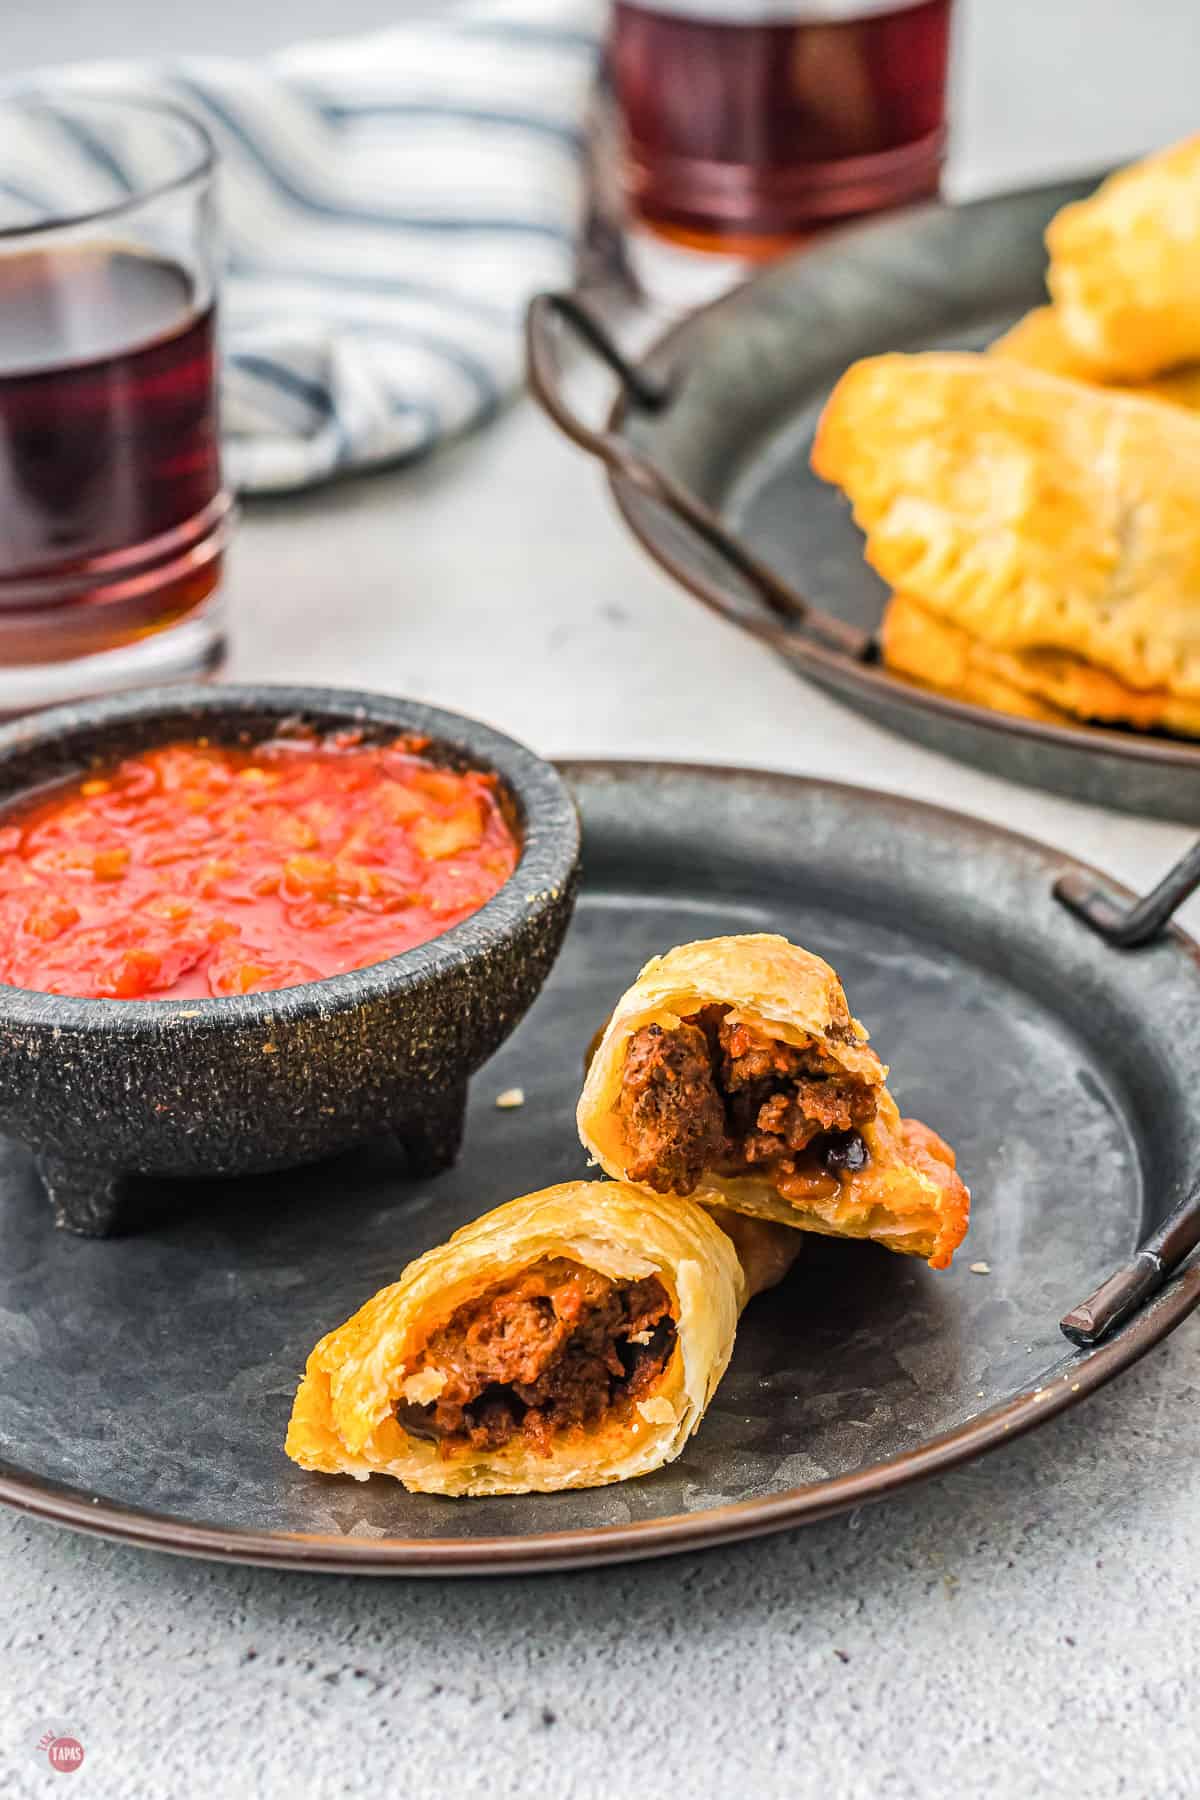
1035 512
1125 266
908 1196
1050 685
343 1417
1040 342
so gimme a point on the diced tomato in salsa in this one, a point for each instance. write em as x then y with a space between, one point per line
196 870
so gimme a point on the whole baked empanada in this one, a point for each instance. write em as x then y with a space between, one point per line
916 643
1050 685
1125 266
732 1067
570 1338
1034 512
1039 341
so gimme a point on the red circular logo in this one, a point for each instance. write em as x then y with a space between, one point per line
66 1754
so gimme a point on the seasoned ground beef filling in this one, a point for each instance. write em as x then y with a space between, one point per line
716 1095
556 1346
672 1111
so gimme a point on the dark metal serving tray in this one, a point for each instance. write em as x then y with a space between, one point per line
707 450
146 1381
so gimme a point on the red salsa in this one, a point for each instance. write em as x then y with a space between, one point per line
195 871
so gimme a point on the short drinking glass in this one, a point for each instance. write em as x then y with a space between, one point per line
748 125
113 516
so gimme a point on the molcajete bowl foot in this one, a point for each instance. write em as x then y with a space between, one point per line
103 1091
85 1197
427 1138
93 1200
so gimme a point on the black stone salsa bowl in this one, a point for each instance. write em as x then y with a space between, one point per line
105 1090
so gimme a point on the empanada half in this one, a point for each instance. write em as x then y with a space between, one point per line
570 1338
1035 512
733 1067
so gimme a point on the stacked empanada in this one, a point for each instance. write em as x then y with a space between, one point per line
1036 511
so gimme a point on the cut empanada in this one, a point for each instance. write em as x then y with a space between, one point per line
1050 685
1125 267
1034 512
1039 342
732 1067
568 1339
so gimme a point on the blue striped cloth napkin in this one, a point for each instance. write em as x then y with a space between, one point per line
389 204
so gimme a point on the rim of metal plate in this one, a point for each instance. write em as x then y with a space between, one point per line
544 1552
796 629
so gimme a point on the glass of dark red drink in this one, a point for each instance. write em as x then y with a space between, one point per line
747 125
113 517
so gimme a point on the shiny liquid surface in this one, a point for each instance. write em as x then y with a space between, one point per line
764 130
109 466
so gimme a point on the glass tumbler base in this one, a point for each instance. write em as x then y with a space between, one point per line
192 650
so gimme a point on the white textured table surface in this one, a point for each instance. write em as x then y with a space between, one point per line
1024 1626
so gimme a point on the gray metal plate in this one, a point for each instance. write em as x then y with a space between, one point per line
749 379
153 1374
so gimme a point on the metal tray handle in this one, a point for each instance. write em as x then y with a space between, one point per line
1128 927
649 392
1138 1280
